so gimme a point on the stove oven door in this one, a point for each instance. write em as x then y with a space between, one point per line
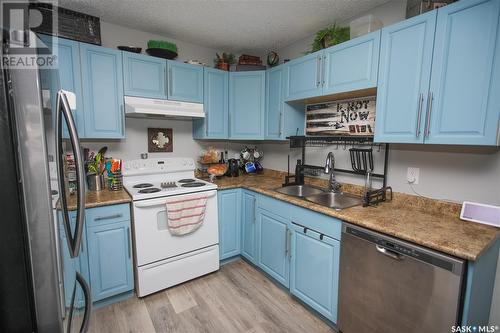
153 240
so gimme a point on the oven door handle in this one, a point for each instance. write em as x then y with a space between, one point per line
162 201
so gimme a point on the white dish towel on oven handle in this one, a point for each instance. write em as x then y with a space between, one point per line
185 215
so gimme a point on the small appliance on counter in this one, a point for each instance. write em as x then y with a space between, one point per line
233 169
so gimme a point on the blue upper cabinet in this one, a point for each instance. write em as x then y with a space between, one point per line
352 65
274 103
403 81
273 245
102 92
185 82
303 77
216 106
144 76
229 223
249 226
315 270
465 80
67 76
247 103
110 259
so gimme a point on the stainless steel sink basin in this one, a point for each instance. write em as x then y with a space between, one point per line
335 200
300 190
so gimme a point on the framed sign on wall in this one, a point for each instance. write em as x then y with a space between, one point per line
346 117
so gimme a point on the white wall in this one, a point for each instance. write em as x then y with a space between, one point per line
389 13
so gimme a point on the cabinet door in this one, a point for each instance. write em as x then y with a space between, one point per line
144 76
403 81
303 77
247 104
67 76
110 259
185 82
315 270
215 105
465 80
72 265
274 103
273 245
352 65
249 232
229 223
102 92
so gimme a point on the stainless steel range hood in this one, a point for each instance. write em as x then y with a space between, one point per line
139 107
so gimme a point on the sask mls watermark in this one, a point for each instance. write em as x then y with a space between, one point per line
22 48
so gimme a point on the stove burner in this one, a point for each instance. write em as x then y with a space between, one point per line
150 190
143 185
195 184
186 181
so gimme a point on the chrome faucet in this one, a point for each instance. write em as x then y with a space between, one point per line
333 185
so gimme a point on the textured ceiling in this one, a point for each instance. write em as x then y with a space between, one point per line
233 25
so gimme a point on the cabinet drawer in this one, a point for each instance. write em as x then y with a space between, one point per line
274 206
107 214
318 222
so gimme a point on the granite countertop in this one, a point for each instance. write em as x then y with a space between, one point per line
100 198
430 223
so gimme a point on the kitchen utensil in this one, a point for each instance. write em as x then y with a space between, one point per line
161 53
361 159
115 181
132 49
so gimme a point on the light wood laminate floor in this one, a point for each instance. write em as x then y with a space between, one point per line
237 298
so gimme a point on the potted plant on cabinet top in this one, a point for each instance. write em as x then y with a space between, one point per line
329 36
224 61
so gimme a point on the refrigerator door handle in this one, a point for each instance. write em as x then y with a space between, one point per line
63 110
88 305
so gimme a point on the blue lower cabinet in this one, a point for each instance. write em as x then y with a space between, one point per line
315 270
249 226
229 223
273 245
72 265
110 259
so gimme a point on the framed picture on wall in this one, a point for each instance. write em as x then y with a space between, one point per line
347 117
160 140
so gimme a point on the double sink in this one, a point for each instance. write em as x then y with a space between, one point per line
321 197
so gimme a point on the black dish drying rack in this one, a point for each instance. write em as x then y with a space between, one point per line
361 158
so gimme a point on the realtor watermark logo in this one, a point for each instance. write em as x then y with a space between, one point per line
475 329
23 49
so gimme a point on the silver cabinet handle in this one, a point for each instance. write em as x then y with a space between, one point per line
427 131
388 253
289 242
323 70
170 80
128 242
122 114
166 80
206 123
318 72
108 217
63 111
280 124
253 210
419 113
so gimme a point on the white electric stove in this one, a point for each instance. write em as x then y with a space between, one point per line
163 260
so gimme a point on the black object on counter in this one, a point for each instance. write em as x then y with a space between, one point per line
233 168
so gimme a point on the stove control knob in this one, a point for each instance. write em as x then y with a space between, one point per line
135 165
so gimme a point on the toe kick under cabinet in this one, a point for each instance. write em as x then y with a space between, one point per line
106 254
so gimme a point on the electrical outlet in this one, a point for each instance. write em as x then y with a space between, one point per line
412 175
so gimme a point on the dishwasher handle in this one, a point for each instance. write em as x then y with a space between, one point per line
388 253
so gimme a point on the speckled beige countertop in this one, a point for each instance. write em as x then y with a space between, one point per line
100 198
430 223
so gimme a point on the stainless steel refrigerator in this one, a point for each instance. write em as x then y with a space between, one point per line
39 291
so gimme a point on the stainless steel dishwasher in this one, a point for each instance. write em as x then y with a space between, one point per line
388 285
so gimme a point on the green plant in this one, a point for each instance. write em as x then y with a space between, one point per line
228 58
329 36
93 165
